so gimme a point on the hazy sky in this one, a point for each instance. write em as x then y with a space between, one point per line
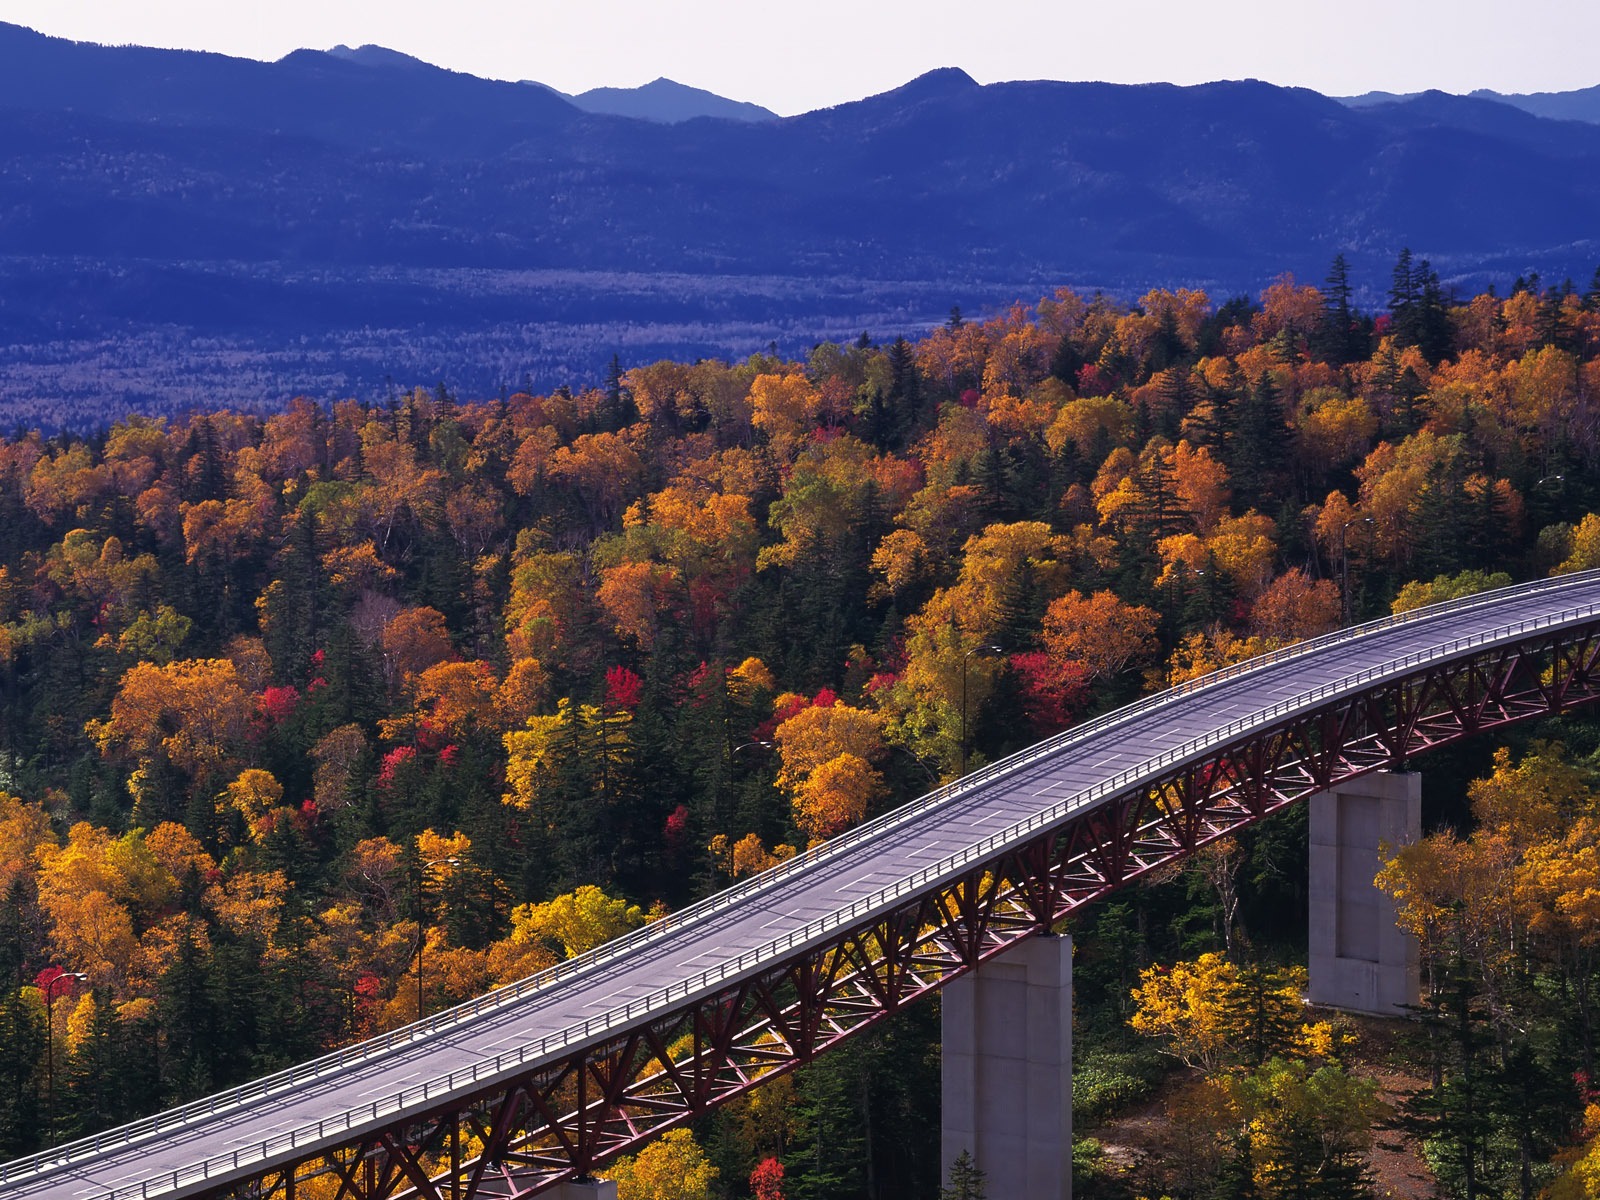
797 57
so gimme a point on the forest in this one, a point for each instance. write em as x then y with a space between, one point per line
316 719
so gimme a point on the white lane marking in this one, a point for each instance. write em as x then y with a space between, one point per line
781 918
390 1084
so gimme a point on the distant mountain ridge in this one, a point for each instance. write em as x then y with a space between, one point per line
334 206
1582 104
662 100
669 102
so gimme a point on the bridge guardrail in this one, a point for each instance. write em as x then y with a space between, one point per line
209 1106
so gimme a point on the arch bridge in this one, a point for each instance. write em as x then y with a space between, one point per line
542 1081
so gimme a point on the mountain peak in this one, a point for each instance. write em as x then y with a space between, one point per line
940 81
667 101
378 56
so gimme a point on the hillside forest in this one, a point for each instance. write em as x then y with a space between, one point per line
311 719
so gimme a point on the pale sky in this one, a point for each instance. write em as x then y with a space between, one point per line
792 58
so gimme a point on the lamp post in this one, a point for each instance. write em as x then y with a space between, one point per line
422 917
49 990
1344 564
988 650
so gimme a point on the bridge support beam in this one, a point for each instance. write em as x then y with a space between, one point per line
1360 959
1007 1070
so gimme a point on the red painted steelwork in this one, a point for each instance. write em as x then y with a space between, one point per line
566 1118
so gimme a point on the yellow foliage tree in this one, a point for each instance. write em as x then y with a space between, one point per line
836 795
252 794
1294 607
1524 876
637 596
819 734
583 737
193 711
1580 1166
748 856
673 1167
1184 1006
576 921
1418 594
1104 634
1212 1013
1583 551
24 828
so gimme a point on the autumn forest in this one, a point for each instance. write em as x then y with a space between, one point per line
314 720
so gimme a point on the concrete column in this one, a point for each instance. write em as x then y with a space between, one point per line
1359 958
588 1189
1007 1077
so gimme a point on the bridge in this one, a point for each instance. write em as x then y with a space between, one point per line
539 1083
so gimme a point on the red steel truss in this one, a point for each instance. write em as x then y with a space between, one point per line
564 1119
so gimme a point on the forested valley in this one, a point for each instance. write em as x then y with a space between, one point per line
313 720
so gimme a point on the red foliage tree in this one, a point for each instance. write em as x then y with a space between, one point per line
277 704
766 1181
623 689
1053 693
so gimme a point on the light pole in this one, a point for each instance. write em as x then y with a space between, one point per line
1344 564
422 917
49 990
988 650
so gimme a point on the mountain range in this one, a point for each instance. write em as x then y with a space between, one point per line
1580 105
181 228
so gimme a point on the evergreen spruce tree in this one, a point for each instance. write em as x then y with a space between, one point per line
1176 392
1167 347
188 1025
1536 1106
1454 1114
21 1073
905 391
1432 332
1068 360
827 1156
1263 1013
1237 1179
1337 337
966 1180
1404 294
1258 451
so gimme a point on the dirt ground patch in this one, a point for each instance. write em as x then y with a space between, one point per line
1139 1142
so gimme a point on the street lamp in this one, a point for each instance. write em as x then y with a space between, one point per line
1558 486
422 916
49 990
988 650
1344 564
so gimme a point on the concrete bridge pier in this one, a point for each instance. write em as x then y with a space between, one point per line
1359 958
1007 1080
586 1189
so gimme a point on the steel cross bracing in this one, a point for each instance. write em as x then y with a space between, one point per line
547 1079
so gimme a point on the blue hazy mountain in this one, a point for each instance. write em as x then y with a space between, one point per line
332 193
668 102
1580 105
